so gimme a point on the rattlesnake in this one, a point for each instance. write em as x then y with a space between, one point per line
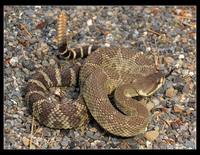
106 69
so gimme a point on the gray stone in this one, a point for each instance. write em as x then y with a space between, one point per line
52 62
11 140
7 71
109 13
116 140
65 141
44 146
169 83
89 133
56 147
8 103
163 145
49 20
189 144
28 12
101 143
186 88
45 63
47 132
131 141
73 143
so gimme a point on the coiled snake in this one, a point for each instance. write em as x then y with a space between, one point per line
125 71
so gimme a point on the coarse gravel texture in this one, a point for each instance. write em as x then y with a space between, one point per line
172 123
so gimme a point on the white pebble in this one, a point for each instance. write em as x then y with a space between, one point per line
107 45
148 49
177 65
145 33
57 91
191 73
13 60
181 56
89 22
177 38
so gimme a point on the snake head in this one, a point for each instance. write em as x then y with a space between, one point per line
151 83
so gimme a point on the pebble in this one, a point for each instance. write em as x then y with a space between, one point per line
89 22
151 135
178 108
52 62
170 92
150 106
149 144
45 63
25 141
181 56
168 60
186 88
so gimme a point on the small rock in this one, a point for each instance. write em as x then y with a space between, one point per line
52 62
89 22
72 143
155 101
39 139
116 141
141 142
39 54
151 135
109 13
13 60
149 144
185 72
170 92
131 141
177 38
11 139
30 66
189 144
150 106
93 129
107 44
44 146
56 147
89 133
192 100
186 88
28 12
47 132
181 56
178 108
122 146
155 145
25 141
44 45
184 40
65 141
8 103
45 63
168 60
49 20
137 8
163 145
101 143
147 10
7 71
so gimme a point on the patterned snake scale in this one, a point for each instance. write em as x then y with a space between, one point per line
123 71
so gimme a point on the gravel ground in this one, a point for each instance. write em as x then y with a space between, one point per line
172 122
